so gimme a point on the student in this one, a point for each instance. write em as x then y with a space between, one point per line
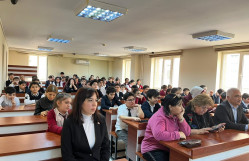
22 78
10 98
75 76
128 86
169 86
41 88
126 81
133 87
109 83
63 81
77 83
60 111
151 106
15 82
216 96
109 100
245 102
84 134
83 82
176 91
185 92
127 111
168 91
46 103
94 85
62 74
163 91
102 86
11 77
97 77
22 88
139 86
117 81
145 90
49 81
58 82
123 90
139 99
197 115
223 97
34 94
70 87
91 78
119 95
167 124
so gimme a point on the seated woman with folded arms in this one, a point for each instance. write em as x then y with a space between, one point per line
166 124
57 116
197 115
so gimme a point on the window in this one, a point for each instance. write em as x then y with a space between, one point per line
126 69
165 71
41 63
235 71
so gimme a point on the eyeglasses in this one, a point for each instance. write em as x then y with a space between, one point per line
130 100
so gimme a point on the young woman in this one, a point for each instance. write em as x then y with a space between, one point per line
70 86
56 116
84 134
166 124
58 82
46 103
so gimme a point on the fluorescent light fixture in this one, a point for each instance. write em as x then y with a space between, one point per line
41 48
135 49
98 54
59 39
214 35
100 11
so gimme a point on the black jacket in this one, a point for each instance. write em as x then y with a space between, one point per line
8 82
75 146
106 103
196 121
48 83
120 97
147 111
224 114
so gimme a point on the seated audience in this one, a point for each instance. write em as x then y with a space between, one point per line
166 124
11 77
97 77
163 91
185 92
168 91
216 96
62 74
58 82
133 87
60 111
49 81
94 85
102 86
63 81
10 98
15 82
41 90
117 81
119 95
83 82
169 86
109 83
75 76
109 100
46 103
192 94
139 85
197 115
34 94
126 81
145 90
22 88
245 102
77 82
231 112
151 106
128 86
91 78
123 90
70 87
84 134
139 99
127 111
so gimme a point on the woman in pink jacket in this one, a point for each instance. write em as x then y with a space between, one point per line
56 116
166 124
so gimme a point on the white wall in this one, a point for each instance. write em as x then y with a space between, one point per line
3 58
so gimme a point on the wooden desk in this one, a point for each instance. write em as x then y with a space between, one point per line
30 147
26 110
111 117
215 146
136 132
22 124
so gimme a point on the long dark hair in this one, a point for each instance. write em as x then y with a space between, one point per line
170 99
80 97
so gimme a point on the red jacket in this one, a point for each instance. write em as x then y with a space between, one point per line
52 125
140 101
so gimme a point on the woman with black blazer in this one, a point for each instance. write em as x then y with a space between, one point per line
84 134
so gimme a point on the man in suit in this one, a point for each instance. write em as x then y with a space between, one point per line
245 102
231 112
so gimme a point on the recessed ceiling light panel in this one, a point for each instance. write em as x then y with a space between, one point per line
214 35
59 39
135 49
42 48
100 11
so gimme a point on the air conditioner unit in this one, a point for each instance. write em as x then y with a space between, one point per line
82 62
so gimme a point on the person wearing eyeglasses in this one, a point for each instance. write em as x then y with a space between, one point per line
151 106
197 115
167 124
127 111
